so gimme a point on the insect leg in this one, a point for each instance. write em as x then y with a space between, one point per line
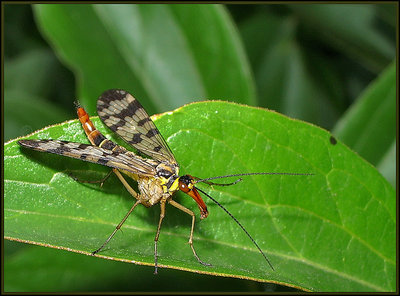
134 194
186 210
116 228
101 181
162 215
126 184
120 177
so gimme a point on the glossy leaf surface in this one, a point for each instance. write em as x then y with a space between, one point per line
331 231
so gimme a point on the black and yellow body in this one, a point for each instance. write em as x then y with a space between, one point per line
157 176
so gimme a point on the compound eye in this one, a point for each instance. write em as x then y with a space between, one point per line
164 173
184 187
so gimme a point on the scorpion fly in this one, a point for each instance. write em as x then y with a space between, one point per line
157 175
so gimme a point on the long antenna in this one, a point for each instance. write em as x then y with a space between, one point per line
251 174
218 184
254 242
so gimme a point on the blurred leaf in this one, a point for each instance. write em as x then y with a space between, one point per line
167 55
387 13
30 71
20 33
369 126
387 165
30 66
219 55
349 28
19 106
320 231
282 74
260 32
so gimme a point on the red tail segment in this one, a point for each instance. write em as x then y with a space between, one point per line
92 133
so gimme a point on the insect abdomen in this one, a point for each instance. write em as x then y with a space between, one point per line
94 135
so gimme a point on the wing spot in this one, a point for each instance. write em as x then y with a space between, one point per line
153 132
136 139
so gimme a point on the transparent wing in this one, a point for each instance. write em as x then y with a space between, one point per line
124 115
120 160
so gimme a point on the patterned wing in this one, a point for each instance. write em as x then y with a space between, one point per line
120 160
124 115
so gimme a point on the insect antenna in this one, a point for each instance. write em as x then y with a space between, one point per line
218 184
241 226
245 174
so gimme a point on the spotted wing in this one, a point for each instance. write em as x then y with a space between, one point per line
120 160
124 115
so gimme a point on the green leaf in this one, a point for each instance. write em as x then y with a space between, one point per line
333 231
166 54
70 272
369 126
24 72
283 77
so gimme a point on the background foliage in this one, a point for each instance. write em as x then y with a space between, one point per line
331 65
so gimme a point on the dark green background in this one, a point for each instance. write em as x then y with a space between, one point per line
319 63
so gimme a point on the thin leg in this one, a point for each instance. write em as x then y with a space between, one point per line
162 215
101 181
126 184
118 227
186 210
134 194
